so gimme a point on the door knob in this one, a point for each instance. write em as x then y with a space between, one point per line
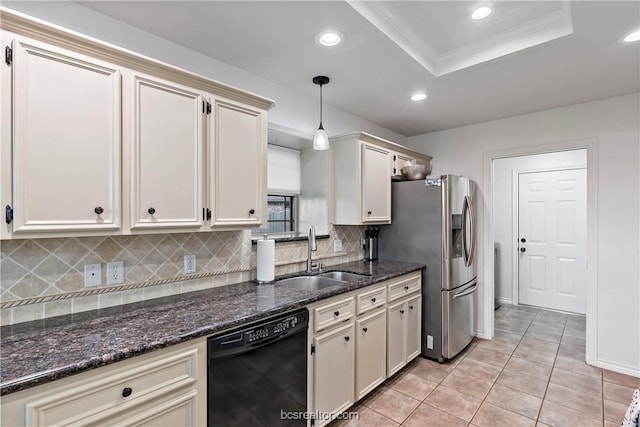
98 210
523 240
151 211
364 329
523 249
252 211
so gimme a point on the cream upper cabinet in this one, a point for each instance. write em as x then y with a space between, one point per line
361 170
398 161
238 150
66 141
165 147
376 185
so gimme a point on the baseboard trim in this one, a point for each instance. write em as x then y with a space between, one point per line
506 300
479 334
633 371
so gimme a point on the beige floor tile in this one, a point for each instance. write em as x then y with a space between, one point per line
545 335
427 415
542 346
575 331
576 342
463 383
392 404
509 326
454 402
542 326
575 353
493 416
524 383
476 369
621 379
365 418
515 401
542 425
412 385
614 411
499 345
578 367
552 316
529 368
507 336
537 356
618 393
513 322
608 423
488 356
576 381
519 316
560 416
574 399
430 370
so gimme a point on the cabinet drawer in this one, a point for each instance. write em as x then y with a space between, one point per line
118 392
334 313
371 299
404 285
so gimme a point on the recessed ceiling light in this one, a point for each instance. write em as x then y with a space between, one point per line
419 96
329 38
633 37
481 12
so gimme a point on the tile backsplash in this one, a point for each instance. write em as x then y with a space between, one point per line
44 277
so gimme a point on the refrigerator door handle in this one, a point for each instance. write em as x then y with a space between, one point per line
465 246
466 291
472 237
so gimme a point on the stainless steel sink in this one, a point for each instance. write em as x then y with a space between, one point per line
342 276
309 283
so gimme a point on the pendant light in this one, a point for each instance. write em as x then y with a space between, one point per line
320 139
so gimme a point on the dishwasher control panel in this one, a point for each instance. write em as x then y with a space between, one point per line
259 333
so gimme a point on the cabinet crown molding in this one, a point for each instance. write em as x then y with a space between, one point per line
40 30
381 142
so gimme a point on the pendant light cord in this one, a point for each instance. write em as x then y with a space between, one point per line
321 107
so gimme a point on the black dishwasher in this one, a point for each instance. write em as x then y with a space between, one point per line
257 374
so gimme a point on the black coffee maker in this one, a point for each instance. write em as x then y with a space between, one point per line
370 243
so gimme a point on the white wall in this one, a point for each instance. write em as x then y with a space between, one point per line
614 122
293 109
503 205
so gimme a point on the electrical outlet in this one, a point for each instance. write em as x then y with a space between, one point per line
189 264
115 272
430 342
337 245
92 275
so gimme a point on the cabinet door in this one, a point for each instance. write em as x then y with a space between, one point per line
396 341
398 162
414 327
376 184
178 411
371 348
166 155
239 159
333 373
66 140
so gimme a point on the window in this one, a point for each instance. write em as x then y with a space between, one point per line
280 215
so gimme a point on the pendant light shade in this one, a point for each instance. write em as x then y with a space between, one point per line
320 139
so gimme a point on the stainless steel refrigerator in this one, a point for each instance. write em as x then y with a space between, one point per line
433 223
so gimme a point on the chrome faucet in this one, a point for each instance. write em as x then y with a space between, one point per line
312 247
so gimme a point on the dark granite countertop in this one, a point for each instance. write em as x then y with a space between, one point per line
38 352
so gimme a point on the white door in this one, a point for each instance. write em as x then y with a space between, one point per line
552 239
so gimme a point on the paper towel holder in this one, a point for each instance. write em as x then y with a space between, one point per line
265 282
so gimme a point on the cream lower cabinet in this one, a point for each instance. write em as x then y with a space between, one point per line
334 369
66 141
353 344
162 388
404 322
371 344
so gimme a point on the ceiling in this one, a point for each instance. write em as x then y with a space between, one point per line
526 56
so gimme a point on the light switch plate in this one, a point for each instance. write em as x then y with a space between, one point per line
337 245
92 275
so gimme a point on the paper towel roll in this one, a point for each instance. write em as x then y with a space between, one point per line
266 260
